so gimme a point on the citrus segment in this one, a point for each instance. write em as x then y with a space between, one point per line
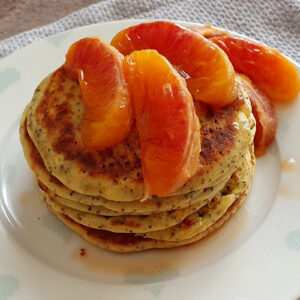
267 67
108 114
264 113
209 73
168 127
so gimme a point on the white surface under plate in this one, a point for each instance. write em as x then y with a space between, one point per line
256 255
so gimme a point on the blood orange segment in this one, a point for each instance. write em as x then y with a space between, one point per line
264 113
108 113
267 67
209 73
168 127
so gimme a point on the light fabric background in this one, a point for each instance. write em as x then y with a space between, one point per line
275 22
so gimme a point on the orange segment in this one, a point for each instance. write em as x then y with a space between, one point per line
209 73
166 121
264 113
267 67
108 114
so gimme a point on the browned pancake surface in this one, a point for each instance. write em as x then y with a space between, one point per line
54 125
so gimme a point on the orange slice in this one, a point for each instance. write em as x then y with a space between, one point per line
168 127
209 73
264 113
271 72
108 114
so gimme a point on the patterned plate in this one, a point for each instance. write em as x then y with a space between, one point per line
255 256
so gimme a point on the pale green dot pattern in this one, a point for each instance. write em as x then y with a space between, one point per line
55 225
56 40
8 77
8 286
293 240
157 274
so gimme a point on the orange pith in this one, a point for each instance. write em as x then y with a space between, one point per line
108 114
210 75
166 121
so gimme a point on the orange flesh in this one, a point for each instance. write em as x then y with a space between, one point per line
166 121
108 114
209 73
271 72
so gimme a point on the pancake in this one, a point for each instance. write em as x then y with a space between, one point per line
54 125
127 223
47 182
199 221
127 242
100 210
166 225
98 193
122 242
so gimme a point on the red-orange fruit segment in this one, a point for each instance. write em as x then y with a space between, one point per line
271 72
168 127
264 113
108 113
209 73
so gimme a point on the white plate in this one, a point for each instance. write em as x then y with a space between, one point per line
255 256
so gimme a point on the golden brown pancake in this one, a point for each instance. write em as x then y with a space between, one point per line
200 220
127 223
172 225
102 206
54 125
97 193
128 242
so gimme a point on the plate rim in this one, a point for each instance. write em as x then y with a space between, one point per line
126 21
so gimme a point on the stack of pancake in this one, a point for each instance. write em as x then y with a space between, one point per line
97 193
